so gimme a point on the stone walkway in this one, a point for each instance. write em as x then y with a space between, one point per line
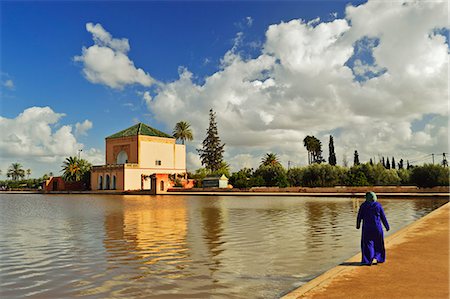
417 266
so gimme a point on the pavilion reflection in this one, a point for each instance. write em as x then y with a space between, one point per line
147 232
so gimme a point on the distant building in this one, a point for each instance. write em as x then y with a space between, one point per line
215 182
140 158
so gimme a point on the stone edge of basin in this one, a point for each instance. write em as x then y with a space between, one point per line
330 274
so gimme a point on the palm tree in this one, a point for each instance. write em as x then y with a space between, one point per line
270 159
182 131
75 169
15 171
28 173
71 169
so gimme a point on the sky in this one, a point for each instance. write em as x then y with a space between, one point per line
374 75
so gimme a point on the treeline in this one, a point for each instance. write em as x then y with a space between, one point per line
326 175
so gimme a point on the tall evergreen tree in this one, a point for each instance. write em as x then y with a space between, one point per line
383 162
407 164
211 155
393 163
371 162
356 158
388 165
400 164
332 154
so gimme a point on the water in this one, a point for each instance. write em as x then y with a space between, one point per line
61 246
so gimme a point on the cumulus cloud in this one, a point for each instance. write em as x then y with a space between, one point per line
302 84
36 137
82 128
106 62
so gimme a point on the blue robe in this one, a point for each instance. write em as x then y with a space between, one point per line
372 239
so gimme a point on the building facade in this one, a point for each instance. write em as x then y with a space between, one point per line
140 158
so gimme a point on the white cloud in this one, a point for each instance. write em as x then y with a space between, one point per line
106 62
249 21
82 128
36 138
9 84
300 85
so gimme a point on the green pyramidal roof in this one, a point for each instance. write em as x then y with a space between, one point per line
140 129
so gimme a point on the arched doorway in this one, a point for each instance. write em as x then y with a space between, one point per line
107 182
100 183
122 157
114 183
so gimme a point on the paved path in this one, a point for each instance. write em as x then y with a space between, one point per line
417 266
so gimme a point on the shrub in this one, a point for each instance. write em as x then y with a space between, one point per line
430 175
273 175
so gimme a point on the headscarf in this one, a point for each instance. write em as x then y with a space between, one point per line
371 197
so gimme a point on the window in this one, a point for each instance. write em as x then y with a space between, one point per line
122 157
158 162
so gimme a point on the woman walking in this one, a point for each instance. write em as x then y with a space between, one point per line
372 239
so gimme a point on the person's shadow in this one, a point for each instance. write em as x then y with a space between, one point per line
354 264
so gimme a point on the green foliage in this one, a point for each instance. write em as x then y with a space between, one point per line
295 176
241 179
404 175
211 154
430 175
323 175
182 131
273 175
356 177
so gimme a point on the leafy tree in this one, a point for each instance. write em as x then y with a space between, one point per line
332 154
295 176
224 169
241 179
322 175
270 159
75 169
430 175
273 175
393 163
182 131
356 177
211 154
404 176
356 158
28 173
15 172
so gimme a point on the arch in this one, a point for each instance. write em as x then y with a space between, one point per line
161 185
114 183
100 182
122 157
107 182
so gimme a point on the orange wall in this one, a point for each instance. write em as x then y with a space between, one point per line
115 145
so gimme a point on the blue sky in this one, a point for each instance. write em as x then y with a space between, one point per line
40 40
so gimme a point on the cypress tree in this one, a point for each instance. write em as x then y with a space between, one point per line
383 162
393 163
371 162
211 155
332 157
400 164
388 165
356 159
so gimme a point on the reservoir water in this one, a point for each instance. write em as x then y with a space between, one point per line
93 246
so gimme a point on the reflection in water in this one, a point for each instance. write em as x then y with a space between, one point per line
177 247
